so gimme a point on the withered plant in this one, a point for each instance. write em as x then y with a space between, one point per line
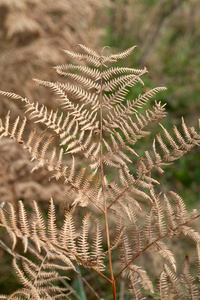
115 210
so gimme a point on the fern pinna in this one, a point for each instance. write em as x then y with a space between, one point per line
126 214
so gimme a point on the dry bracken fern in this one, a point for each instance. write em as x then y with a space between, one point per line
99 124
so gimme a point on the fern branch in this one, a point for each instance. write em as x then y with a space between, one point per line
152 243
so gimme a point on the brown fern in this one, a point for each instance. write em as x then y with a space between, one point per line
99 125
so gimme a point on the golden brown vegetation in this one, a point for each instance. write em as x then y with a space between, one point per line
120 219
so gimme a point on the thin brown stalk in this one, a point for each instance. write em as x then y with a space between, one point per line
103 192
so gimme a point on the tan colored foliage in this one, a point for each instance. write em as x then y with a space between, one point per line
97 123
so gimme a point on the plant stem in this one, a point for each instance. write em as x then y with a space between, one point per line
103 191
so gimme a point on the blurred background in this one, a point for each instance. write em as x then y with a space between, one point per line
32 36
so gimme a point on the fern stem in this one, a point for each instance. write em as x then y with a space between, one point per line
103 190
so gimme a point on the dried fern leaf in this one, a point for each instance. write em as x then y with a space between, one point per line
93 73
67 234
170 213
99 123
162 249
52 228
13 218
181 211
134 286
142 99
122 54
142 277
174 283
24 224
121 83
13 238
159 214
24 280
40 223
75 110
87 82
97 252
89 58
83 239
12 96
193 234
187 279
120 70
162 286
89 50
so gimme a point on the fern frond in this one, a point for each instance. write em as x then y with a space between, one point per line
87 82
148 228
120 113
77 111
67 234
130 193
72 170
120 70
170 213
40 224
122 82
93 73
193 234
174 283
126 251
24 280
24 224
162 286
117 96
186 131
137 236
142 99
134 286
162 249
121 55
158 159
12 96
181 211
13 218
13 238
97 246
52 229
95 128
5 129
142 277
173 144
164 148
41 281
187 279
83 239
88 50
89 58
159 214
12 232
35 237
79 177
